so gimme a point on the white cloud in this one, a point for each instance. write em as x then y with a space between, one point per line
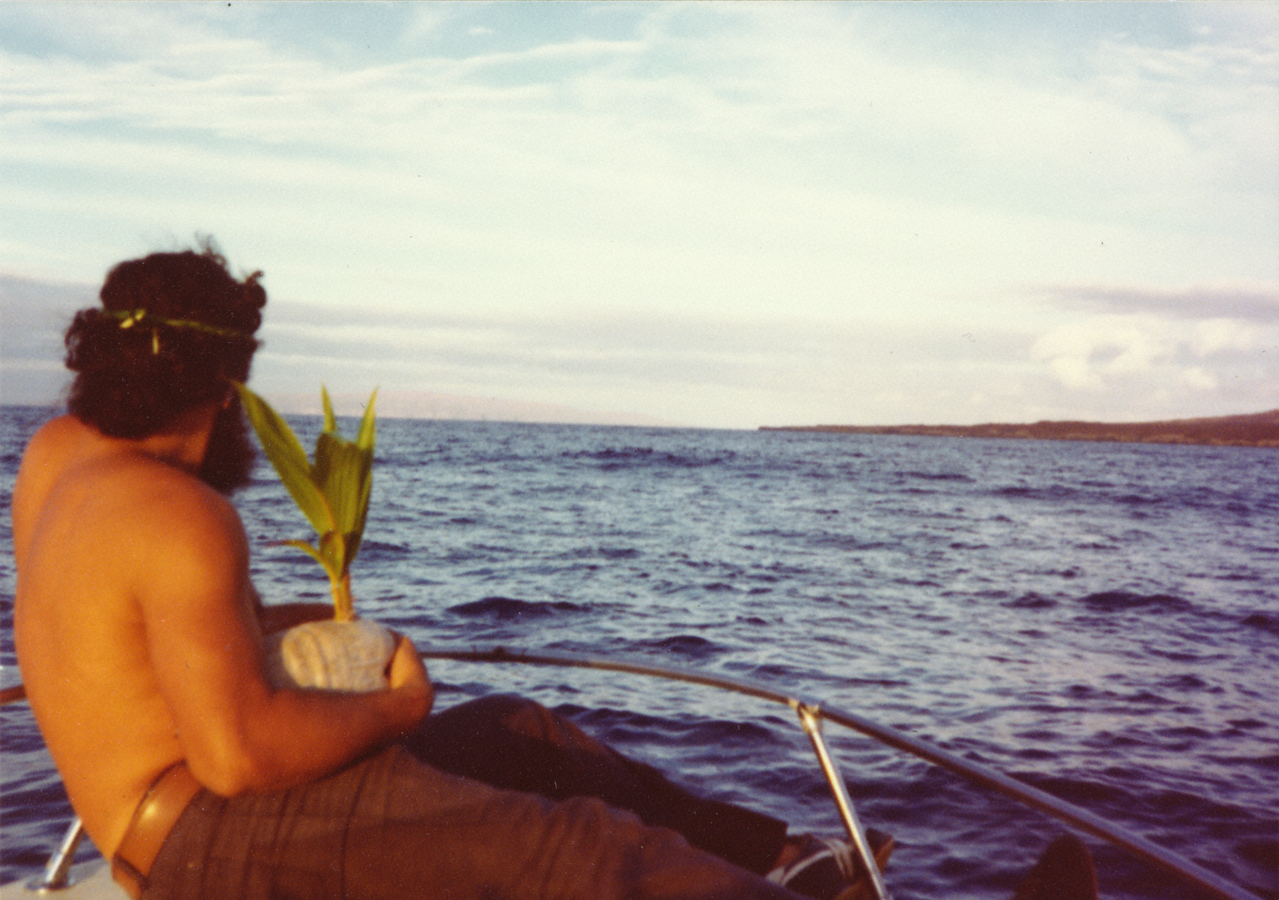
428 19
1223 335
1084 354
1220 362
1197 378
1075 372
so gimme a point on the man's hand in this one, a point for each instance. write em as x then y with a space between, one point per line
405 667
405 670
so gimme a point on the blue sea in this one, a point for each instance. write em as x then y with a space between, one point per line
1098 620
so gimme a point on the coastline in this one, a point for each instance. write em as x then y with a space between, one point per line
1255 430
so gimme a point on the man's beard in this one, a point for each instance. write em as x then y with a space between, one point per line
228 463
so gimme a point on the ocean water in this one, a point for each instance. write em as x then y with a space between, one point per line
1099 620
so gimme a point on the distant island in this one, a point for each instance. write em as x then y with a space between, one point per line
1257 430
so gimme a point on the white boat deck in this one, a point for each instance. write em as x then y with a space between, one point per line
88 881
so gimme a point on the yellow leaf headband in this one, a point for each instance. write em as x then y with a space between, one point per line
131 317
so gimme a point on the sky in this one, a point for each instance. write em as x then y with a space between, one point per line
724 215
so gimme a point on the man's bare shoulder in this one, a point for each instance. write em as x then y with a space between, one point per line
46 456
153 504
76 484
55 432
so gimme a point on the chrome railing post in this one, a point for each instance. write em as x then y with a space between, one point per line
55 872
810 720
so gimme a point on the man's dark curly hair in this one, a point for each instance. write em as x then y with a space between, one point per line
173 329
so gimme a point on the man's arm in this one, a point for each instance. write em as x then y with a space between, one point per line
238 733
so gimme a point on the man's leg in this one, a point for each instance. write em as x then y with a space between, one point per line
516 744
393 828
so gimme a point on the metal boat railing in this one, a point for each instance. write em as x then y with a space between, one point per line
811 716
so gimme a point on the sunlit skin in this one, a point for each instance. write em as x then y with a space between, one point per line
139 633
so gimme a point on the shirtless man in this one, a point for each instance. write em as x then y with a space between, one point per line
136 623
140 639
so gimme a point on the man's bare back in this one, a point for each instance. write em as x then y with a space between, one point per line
138 633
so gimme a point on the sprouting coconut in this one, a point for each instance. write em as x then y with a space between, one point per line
345 652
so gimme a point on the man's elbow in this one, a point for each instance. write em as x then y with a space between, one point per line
231 771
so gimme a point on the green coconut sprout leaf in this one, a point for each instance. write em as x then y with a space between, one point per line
285 452
332 492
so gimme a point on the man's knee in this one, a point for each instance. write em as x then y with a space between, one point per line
485 716
507 712
527 717
506 706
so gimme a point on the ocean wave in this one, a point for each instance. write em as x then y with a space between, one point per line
1121 601
612 458
507 608
689 645
1267 622
1032 600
